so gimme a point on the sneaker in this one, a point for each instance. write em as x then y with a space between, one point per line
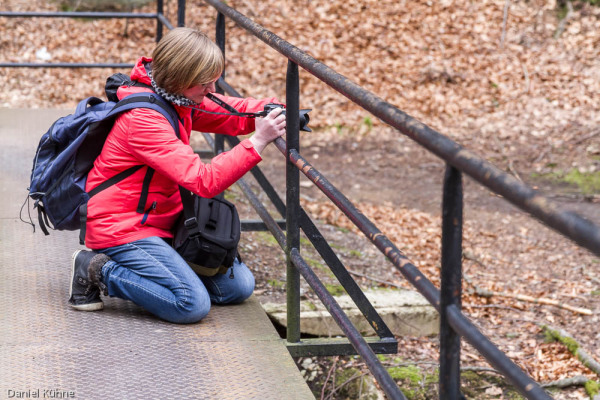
85 291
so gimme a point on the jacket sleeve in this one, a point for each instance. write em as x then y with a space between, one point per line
151 140
225 124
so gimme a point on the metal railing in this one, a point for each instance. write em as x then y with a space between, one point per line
159 16
459 160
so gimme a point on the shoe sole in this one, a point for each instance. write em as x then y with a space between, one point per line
81 307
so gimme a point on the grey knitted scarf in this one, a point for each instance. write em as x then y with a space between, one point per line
178 99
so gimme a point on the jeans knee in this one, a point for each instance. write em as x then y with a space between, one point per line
191 309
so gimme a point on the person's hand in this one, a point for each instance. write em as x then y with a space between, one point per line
268 129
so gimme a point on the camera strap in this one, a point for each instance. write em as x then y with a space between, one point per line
228 107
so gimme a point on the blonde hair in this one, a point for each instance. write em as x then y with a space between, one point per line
184 58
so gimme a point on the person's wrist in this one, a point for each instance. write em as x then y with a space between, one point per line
258 144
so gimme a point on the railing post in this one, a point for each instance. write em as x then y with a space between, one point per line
450 294
180 12
220 39
219 146
292 201
159 25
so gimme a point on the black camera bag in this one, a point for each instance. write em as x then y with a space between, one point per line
207 233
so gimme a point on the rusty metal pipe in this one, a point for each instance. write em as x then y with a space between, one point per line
460 323
570 224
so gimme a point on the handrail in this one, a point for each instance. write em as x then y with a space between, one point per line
459 160
76 14
570 224
458 320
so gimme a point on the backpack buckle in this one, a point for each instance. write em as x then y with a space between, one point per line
191 225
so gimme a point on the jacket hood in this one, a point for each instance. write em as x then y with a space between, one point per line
138 73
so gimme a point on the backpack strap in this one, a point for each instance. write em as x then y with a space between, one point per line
145 188
137 100
213 218
115 179
147 100
190 221
82 106
104 185
42 216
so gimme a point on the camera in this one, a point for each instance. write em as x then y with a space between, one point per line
304 118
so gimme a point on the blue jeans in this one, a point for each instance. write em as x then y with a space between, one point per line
150 273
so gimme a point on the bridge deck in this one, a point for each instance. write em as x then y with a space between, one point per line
123 351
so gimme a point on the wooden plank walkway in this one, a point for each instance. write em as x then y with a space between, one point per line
121 352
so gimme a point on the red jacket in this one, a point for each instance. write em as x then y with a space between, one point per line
144 136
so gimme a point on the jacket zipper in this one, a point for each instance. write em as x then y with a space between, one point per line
147 212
